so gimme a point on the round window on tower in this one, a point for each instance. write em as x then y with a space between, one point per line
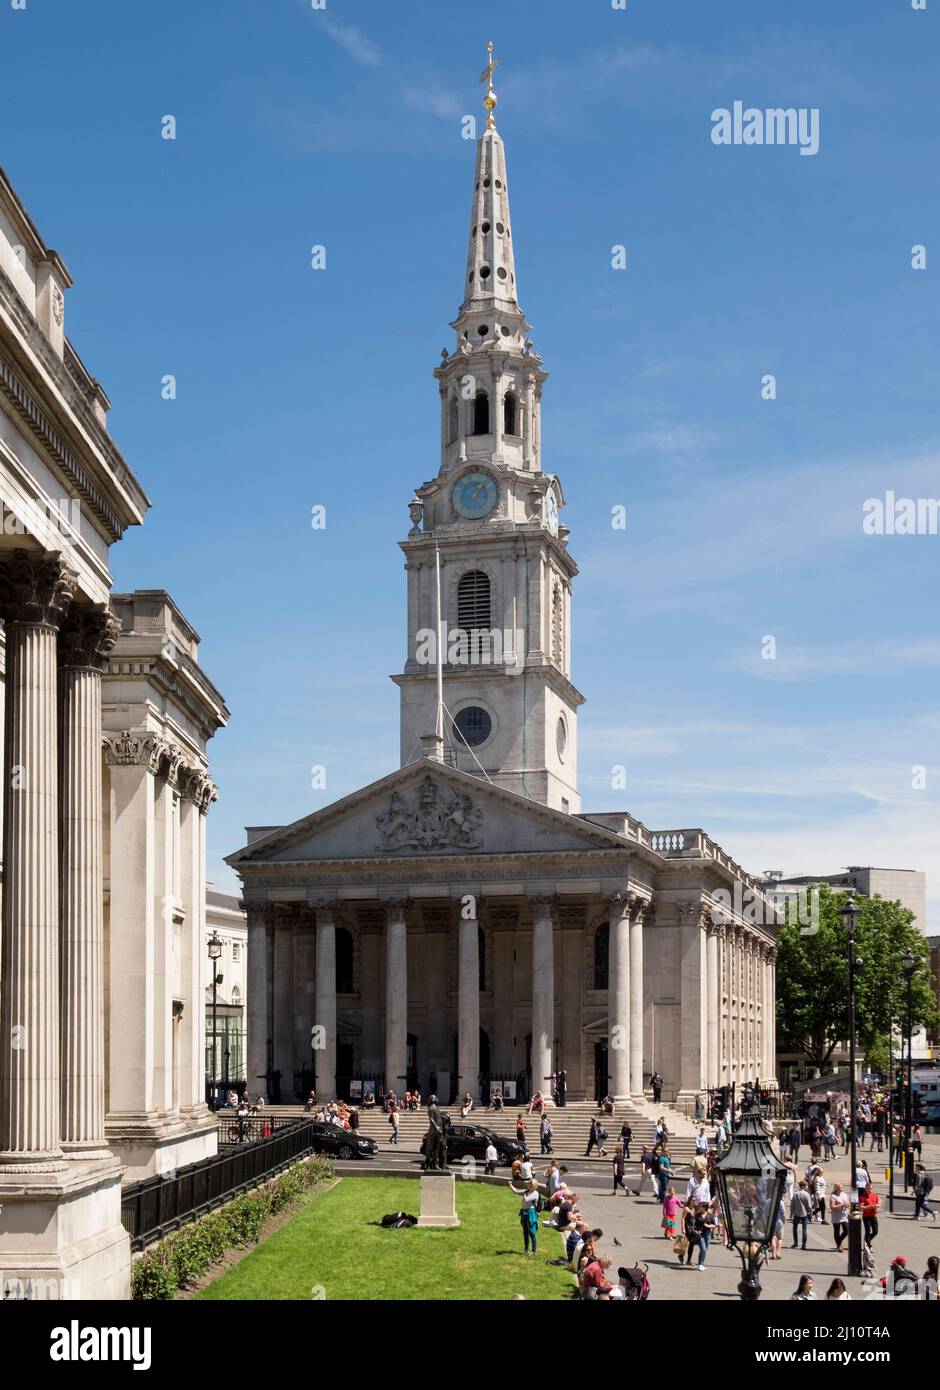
473 725
561 738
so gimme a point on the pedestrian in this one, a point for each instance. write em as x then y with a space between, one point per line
931 1279
804 1290
862 1178
663 1172
721 1136
869 1203
545 1133
393 1121
520 1130
707 1223
528 1214
839 1210
618 1170
656 1085
801 1208
671 1206
646 1172
701 1141
699 1107
794 1139
819 1192
776 1243
600 1131
829 1141
592 1139
490 1158
626 1136
837 1292
692 1232
923 1186
917 1141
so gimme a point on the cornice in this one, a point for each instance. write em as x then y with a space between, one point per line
37 417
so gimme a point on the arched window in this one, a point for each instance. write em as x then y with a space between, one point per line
344 961
481 941
601 956
473 600
510 413
481 413
236 995
452 420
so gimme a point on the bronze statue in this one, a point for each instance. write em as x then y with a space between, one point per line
435 1147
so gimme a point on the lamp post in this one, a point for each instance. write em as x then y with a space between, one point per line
215 950
849 914
909 966
751 1180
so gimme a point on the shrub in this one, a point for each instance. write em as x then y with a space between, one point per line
184 1257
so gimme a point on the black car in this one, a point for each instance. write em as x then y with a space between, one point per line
471 1141
341 1143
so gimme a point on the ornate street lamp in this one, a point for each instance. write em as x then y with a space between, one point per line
909 966
215 950
751 1180
849 913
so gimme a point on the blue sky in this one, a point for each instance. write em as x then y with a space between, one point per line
342 127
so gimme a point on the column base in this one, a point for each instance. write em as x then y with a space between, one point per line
62 1236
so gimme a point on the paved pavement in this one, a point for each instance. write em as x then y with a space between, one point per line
635 1222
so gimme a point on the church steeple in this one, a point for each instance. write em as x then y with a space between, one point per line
491 515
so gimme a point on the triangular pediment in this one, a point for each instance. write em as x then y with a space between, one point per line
427 809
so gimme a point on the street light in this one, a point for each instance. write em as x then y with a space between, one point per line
215 950
751 1180
849 913
909 966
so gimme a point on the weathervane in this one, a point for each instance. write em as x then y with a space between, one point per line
489 101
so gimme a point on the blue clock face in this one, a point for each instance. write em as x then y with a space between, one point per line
475 495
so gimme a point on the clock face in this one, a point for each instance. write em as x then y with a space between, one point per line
475 495
551 510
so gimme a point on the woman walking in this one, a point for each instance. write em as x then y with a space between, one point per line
671 1205
839 1210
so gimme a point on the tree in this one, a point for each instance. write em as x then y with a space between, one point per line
813 978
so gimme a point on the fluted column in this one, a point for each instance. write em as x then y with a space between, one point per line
468 1000
325 1021
713 1004
35 592
618 994
543 992
259 914
85 641
639 918
396 995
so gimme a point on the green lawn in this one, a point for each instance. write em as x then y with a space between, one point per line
334 1242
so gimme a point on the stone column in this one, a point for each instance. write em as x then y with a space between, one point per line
284 1000
713 995
543 993
396 994
325 1022
197 793
35 592
259 915
641 915
86 638
468 1000
618 994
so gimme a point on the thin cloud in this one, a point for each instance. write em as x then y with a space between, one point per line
354 42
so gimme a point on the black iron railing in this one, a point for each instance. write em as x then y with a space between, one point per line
248 1129
156 1206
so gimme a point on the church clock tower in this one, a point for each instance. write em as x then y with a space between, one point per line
489 522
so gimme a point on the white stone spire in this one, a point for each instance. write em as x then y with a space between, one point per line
490 297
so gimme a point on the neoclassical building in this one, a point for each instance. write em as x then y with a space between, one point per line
463 921
105 792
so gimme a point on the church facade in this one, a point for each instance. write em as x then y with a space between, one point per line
463 923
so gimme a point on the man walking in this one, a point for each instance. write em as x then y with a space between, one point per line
801 1208
923 1186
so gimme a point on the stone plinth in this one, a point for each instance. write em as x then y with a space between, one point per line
438 1200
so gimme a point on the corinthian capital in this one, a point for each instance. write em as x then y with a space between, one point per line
87 636
129 749
35 587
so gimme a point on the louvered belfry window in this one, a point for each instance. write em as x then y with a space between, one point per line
473 601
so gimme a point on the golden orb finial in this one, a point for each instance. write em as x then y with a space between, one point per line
489 101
